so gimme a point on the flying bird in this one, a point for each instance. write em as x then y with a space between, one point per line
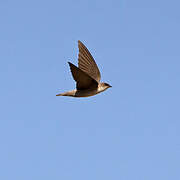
86 75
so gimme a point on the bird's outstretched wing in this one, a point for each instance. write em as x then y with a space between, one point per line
83 80
86 62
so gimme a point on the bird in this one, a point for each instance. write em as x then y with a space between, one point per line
86 75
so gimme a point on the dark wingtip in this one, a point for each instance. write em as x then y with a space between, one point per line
80 43
71 64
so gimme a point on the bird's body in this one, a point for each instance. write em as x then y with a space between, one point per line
85 92
86 75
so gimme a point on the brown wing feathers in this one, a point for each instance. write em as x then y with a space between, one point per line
87 63
87 75
83 80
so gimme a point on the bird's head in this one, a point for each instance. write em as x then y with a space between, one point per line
105 85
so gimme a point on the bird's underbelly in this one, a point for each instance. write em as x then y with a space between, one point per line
86 93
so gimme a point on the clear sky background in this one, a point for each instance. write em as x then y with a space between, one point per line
129 132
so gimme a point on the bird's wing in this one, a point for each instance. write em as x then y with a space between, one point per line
83 80
86 62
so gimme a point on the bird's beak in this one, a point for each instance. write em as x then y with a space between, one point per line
110 86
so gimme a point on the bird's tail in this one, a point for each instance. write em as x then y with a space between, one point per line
61 94
68 93
65 94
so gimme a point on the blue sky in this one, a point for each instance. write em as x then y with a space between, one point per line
130 131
